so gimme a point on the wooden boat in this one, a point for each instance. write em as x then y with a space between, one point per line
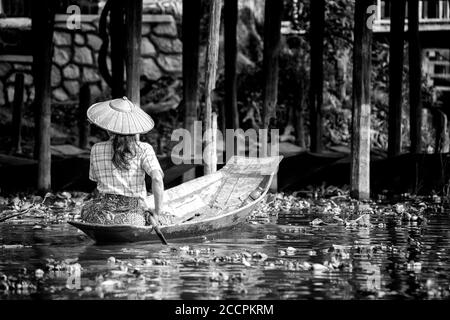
201 206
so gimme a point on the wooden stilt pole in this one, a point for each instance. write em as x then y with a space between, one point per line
415 77
214 142
230 22
316 73
274 151
83 127
300 114
441 138
43 14
210 81
360 157
415 85
191 42
396 76
191 39
17 114
272 35
133 21
117 33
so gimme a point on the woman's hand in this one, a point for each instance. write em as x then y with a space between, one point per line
153 219
162 218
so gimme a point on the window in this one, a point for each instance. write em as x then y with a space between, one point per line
441 69
16 8
430 9
445 9
385 9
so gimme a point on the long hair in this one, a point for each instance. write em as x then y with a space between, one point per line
124 149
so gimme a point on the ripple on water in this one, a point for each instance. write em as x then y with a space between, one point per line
294 261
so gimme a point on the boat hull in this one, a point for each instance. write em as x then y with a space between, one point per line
205 205
104 234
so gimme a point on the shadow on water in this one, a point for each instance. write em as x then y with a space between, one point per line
254 261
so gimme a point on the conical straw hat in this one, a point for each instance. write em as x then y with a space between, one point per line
120 116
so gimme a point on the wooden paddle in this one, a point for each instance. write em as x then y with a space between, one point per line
156 228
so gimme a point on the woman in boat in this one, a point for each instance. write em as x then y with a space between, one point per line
119 166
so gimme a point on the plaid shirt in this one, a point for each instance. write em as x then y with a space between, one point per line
129 182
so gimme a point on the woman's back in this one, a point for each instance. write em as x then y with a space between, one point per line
128 182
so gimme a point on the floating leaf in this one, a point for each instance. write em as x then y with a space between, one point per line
317 222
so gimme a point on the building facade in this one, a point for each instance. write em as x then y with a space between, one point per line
434 33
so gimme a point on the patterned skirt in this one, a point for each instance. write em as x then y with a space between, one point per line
114 209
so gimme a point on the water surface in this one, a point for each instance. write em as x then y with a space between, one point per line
285 258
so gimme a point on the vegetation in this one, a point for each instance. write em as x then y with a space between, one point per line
292 108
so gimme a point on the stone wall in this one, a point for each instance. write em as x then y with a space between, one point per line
75 59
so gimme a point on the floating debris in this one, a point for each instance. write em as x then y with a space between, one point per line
317 267
53 208
219 276
110 285
414 266
291 251
69 265
111 261
185 248
13 246
259 255
246 263
317 222
39 273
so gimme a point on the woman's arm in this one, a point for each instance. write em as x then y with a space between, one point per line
158 190
92 172
152 167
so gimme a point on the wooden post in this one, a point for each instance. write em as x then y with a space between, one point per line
117 29
316 73
274 151
272 34
299 113
210 80
43 15
395 76
133 22
415 77
83 126
300 128
415 85
230 22
191 42
17 114
191 39
360 156
442 138
214 142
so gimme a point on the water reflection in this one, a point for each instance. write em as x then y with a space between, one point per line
395 261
